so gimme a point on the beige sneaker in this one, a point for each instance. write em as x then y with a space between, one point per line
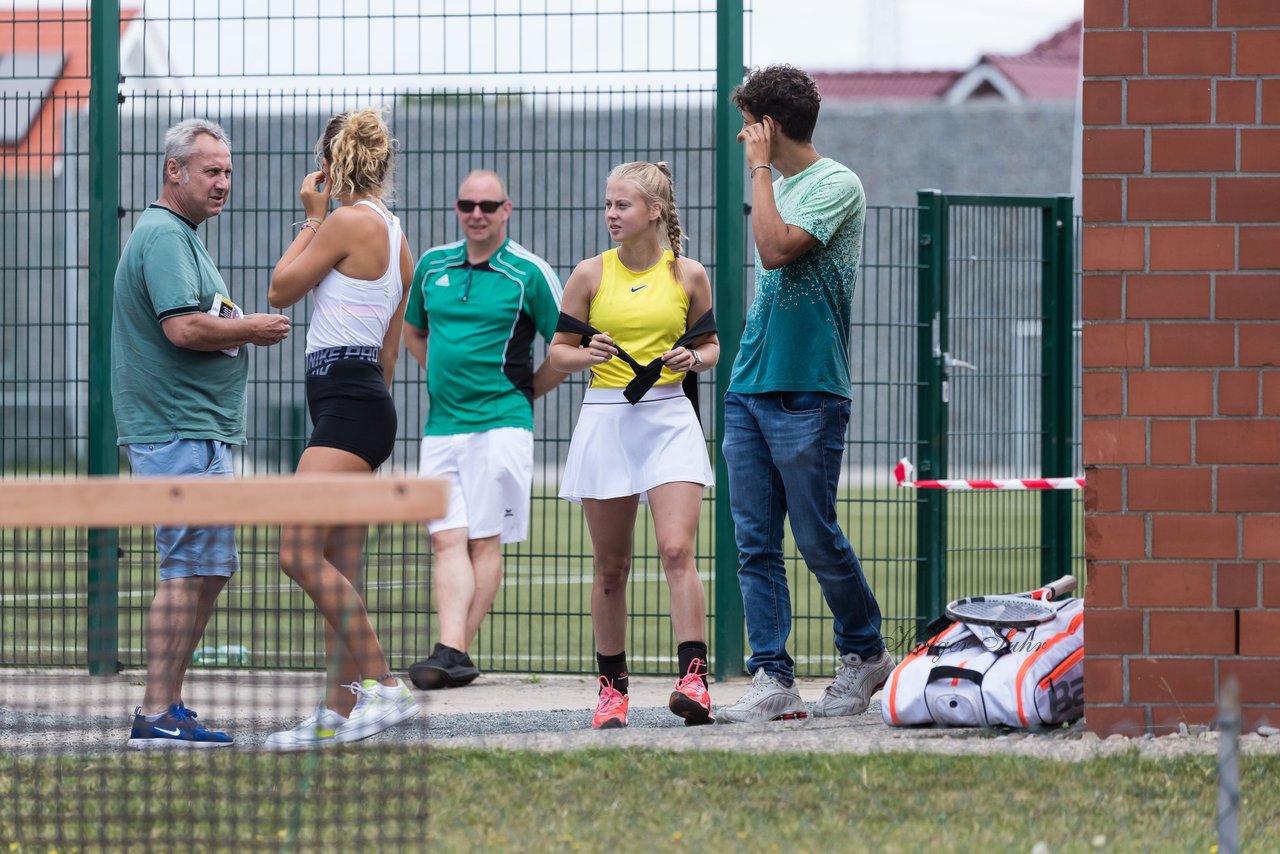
856 681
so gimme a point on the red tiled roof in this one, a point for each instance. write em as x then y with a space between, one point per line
1064 44
869 85
1048 71
65 31
1039 80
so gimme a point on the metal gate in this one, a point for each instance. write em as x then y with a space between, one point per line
996 367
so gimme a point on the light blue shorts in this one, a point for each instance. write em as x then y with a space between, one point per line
189 551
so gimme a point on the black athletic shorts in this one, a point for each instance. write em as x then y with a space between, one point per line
349 403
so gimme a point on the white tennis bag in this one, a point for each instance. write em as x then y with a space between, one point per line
967 676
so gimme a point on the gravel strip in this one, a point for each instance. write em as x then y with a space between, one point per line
28 733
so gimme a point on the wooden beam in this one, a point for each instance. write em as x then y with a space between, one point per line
107 502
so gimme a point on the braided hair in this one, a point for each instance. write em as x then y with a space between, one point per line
657 187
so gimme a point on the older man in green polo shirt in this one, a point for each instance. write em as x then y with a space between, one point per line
178 370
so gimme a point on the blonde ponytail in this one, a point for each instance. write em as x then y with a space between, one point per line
361 153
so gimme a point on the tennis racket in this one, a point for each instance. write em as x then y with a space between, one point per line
1014 611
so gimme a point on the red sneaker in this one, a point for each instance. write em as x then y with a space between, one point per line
690 699
611 708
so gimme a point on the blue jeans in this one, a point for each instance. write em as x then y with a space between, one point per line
189 550
783 452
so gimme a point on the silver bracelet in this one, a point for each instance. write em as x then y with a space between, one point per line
752 173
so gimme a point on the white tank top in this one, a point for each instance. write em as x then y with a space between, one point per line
351 312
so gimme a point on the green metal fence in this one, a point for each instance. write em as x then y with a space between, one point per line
551 99
997 398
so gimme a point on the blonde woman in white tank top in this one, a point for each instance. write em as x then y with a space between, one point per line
358 266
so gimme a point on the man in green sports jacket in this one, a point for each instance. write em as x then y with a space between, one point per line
473 312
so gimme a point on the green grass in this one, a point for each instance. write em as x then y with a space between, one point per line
624 800
540 621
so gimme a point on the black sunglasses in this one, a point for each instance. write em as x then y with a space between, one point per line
466 206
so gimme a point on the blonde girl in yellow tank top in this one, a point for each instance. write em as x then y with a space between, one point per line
641 296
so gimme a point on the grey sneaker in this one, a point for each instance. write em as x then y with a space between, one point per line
316 731
377 708
766 700
856 681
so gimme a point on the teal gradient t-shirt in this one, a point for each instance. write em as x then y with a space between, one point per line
797 331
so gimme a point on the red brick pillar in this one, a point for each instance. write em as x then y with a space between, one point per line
1181 202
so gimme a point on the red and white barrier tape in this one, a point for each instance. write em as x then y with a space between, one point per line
904 470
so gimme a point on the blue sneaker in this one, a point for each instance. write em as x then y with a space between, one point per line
175 728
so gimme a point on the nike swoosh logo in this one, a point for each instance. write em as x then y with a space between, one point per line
640 288
173 732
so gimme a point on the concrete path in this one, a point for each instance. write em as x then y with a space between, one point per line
281 695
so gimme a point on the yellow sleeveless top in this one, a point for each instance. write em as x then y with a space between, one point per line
643 312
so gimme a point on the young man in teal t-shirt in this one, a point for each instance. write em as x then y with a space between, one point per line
787 407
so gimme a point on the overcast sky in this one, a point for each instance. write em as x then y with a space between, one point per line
825 35
338 43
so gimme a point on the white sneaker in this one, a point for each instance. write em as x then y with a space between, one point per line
856 681
318 730
377 708
766 700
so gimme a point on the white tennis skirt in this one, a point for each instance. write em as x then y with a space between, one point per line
619 449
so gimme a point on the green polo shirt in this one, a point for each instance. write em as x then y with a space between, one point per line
160 390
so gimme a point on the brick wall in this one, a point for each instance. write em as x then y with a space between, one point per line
1181 398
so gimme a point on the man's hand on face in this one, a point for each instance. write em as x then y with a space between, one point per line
757 138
